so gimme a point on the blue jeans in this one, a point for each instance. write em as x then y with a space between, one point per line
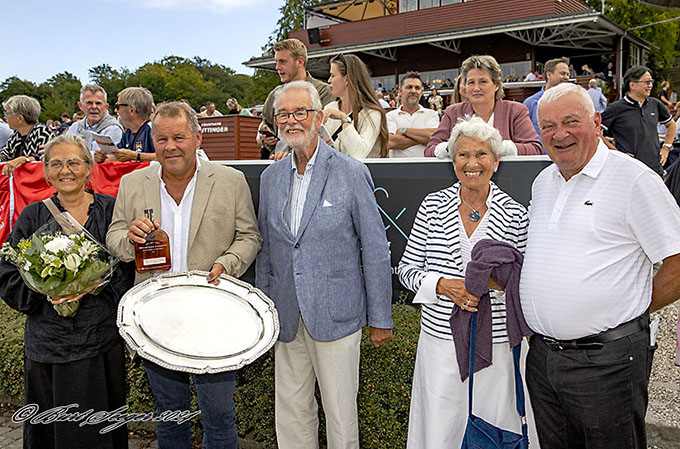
215 394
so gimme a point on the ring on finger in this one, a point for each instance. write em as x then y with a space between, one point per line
467 303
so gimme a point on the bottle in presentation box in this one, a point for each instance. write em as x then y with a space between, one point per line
154 253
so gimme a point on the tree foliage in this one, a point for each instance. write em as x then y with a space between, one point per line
664 37
196 80
292 18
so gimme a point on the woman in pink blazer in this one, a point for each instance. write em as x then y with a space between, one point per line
484 90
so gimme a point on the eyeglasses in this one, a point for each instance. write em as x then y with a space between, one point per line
648 82
299 115
74 164
7 113
121 104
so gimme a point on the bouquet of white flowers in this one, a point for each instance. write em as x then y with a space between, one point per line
60 265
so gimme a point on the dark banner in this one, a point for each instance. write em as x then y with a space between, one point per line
401 186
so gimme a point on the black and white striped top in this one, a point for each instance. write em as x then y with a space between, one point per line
434 246
28 146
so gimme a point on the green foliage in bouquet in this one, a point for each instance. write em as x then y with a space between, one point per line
61 266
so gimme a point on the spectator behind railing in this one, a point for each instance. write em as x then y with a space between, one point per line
22 113
483 82
356 120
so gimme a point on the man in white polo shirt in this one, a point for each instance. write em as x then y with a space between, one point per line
598 221
411 125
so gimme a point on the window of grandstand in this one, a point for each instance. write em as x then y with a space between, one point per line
435 78
386 81
414 5
515 69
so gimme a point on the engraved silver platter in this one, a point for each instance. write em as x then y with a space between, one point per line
182 323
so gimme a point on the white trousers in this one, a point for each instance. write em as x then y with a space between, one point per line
439 400
335 365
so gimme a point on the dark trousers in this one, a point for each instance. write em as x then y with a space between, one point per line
591 398
97 383
215 395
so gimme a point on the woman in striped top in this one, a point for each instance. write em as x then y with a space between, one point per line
448 225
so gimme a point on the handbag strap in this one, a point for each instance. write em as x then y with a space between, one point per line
519 387
65 220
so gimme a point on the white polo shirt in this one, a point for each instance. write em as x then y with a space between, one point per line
421 119
591 245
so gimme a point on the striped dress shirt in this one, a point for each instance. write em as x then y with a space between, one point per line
299 185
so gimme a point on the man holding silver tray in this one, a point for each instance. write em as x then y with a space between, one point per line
207 212
325 264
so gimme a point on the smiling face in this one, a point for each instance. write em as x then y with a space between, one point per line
479 87
560 75
289 69
70 177
474 163
175 145
569 133
639 90
94 106
298 134
337 81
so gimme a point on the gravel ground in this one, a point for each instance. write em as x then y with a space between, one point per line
663 414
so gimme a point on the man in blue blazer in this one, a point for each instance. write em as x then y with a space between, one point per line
325 263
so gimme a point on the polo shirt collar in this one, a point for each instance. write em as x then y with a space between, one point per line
594 165
420 108
629 100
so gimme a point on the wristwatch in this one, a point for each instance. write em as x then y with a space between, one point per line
403 132
668 145
139 156
347 119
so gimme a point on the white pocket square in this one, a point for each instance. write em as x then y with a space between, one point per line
326 203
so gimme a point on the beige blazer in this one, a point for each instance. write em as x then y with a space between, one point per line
223 226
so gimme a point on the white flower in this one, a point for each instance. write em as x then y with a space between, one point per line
58 244
72 262
87 248
27 265
48 258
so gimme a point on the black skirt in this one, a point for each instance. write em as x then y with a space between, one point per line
96 383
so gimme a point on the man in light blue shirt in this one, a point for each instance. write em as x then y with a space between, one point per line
599 100
556 72
97 118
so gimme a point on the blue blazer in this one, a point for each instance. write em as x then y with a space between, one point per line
336 272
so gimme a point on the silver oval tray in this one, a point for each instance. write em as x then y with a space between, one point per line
182 323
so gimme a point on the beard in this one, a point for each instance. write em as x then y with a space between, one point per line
301 140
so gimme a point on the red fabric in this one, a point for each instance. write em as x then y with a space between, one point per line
106 176
30 186
4 207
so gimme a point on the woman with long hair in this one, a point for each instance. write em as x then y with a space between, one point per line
355 121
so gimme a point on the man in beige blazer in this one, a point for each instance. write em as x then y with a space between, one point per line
207 212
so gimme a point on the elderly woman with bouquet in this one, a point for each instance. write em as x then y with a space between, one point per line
73 353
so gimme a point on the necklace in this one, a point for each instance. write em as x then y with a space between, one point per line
474 215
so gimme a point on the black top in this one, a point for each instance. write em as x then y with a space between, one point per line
140 141
48 337
633 126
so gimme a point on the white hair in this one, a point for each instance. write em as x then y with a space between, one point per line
476 128
300 85
563 89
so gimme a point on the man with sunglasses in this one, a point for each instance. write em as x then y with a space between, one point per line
325 263
633 119
135 106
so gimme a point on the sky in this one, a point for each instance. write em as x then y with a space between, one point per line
42 38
